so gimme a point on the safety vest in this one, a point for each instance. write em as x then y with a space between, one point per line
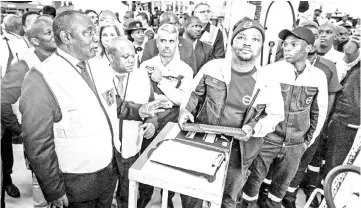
83 137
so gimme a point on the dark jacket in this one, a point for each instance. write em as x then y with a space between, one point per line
11 91
218 45
347 103
204 53
208 99
305 104
40 111
185 50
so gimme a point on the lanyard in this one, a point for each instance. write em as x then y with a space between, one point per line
95 93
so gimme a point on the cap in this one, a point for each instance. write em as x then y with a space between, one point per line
300 32
246 23
309 24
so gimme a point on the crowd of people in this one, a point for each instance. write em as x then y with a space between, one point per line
86 93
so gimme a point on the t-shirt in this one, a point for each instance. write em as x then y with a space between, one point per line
238 98
329 68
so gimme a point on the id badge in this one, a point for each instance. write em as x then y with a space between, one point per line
109 96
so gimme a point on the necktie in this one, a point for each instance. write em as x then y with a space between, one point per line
120 87
84 73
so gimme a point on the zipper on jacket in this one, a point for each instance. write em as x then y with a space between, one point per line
289 108
223 107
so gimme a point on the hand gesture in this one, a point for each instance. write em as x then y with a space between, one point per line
149 130
184 116
151 108
63 201
157 75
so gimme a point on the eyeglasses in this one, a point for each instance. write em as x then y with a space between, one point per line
204 12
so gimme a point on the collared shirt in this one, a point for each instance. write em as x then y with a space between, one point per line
74 61
194 44
177 76
140 53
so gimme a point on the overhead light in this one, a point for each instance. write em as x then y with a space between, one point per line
39 7
11 5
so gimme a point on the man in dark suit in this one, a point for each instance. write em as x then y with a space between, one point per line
192 32
185 47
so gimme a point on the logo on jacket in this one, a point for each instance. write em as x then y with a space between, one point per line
247 25
308 100
246 100
109 96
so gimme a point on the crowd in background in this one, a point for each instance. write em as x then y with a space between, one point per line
306 115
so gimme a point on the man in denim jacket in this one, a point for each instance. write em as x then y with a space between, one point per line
304 90
223 95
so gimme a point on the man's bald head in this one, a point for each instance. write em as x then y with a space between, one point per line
118 44
121 54
37 27
13 24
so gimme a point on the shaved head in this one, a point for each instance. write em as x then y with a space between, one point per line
121 54
13 24
329 25
11 19
118 44
37 27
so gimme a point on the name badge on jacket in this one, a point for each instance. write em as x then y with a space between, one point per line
109 96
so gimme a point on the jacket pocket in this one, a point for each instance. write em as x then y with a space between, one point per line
306 97
216 89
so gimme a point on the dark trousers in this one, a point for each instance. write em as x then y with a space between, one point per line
122 193
285 160
107 180
7 157
301 171
339 143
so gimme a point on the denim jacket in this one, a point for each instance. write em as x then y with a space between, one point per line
305 98
208 100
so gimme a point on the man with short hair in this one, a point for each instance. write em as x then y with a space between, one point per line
210 34
192 32
341 37
128 15
304 90
69 102
184 49
328 33
223 97
40 35
134 85
14 38
329 68
171 79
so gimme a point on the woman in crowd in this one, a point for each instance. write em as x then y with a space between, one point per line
106 34
135 33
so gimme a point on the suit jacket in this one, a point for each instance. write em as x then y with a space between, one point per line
204 53
185 50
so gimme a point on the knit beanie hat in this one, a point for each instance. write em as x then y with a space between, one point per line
246 23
